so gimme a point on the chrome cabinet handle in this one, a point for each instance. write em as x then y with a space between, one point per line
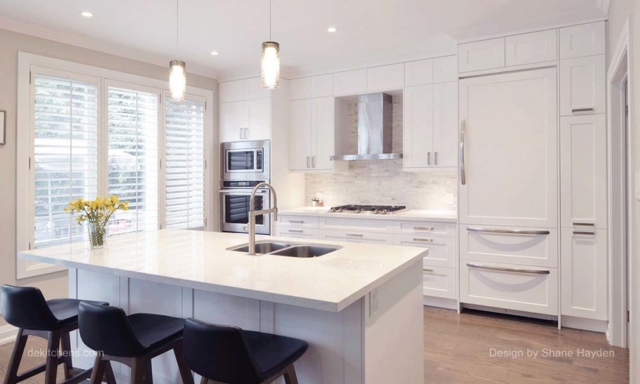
308 159
435 158
502 269
313 161
354 234
423 240
463 172
428 270
296 221
423 228
582 109
509 231
428 158
296 231
584 233
584 224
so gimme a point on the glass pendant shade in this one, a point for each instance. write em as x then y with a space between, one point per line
270 64
177 80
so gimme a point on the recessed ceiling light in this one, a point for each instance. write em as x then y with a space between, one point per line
214 53
86 14
332 29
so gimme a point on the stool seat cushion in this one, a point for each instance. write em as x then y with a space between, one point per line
66 310
154 330
272 353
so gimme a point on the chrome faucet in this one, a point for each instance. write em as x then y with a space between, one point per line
253 213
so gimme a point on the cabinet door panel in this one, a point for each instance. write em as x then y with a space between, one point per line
259 111
322 123
233 119
584 274
479 55
582 86
445 69
531 48
322 86
231 91
445 124
300 134
511 156
418 127
582 40
385 78
583 162
442 250
350 82
300 88
253 89
439 282
418 73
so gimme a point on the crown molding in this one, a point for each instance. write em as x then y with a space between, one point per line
604 6
97 45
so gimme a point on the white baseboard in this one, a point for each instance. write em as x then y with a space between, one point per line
438 302
8 334
532 315
585 324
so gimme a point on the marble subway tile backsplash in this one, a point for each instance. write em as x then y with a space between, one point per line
383 181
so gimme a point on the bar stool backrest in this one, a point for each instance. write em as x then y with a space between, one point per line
220 353
106 329
26 308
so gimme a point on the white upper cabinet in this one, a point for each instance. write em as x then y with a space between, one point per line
385 78
445 69
582 86
582 40
309 87
240 90
418 127
245 120
300 88
350 82
418 73
259 117
583 171
445 124
233 121
311 136
479 55
531 48
300 135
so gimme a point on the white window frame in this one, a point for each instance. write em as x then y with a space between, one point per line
28 63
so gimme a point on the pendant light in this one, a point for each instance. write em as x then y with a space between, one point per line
177 74
270 60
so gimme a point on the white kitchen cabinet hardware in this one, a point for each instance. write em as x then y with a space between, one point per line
530 247
511 149
356 225
302 233
442 250
439 282
359 237
385 78
242 90
582 86
350 82
297 221
582 40
445 69
418 73
245 120
424 228
583 171
531 48
509 286
479 55
311 87
584 274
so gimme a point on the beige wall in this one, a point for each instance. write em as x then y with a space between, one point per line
53 285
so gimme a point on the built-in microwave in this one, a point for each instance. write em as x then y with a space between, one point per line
245 161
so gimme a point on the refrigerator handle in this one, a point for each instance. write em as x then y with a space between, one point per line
463 173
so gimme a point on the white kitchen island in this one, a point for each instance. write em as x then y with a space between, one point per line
360 307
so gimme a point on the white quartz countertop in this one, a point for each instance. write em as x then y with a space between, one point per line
200 260
410 215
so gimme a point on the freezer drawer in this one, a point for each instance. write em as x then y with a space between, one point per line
509 245
527 289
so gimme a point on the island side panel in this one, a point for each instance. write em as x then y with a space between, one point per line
394 330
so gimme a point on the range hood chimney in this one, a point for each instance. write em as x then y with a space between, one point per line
375 113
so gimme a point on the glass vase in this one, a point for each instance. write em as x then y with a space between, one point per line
98 234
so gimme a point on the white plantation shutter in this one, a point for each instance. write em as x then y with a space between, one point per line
65 166
133 157
184 169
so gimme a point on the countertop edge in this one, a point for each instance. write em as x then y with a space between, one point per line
399 217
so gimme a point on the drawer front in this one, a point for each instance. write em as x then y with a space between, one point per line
302 233
425 227
439 282
533 247
583 86
516 290
384 226
582 40
486 54
532 48
357 237
442 250
297 221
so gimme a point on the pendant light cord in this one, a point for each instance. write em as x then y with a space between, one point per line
177 28
270 20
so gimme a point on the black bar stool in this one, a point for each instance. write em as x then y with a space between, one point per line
131 340
235 356
26 309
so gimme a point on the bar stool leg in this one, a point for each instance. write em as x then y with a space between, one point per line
290 375
66 356
185 372
98 370
53 347
137 371
148 372
16 357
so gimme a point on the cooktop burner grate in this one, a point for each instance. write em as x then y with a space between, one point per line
373 209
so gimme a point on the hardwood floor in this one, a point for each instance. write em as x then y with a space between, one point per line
458 349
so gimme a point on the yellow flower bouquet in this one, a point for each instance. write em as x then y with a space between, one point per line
97 214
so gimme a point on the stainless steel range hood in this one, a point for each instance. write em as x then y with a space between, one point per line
375 113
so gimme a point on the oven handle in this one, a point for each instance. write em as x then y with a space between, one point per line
241 192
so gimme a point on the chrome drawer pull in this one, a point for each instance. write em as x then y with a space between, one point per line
585 224
463 172
423 228
428 270
296 231
581 109
502 269
424 240
508 231
584 233
297 221
354 234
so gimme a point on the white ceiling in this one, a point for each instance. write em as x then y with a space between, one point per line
369 31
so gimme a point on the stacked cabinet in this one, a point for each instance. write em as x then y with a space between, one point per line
245 111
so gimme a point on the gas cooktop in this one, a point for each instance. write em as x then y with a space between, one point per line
371 209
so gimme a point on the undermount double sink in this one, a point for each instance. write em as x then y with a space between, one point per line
287 249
